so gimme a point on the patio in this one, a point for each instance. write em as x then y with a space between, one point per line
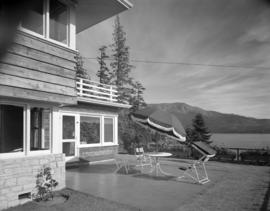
232 186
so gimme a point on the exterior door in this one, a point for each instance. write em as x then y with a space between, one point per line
70 136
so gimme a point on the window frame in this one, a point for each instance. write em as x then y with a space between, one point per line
26 130
71 28
101 116
23 153
38 152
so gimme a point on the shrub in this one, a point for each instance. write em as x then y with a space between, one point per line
224 154
255 156
44 185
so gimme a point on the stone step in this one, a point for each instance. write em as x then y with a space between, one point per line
76 164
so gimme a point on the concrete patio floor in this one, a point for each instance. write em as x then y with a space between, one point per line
232 186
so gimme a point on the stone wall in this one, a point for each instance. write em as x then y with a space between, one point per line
98 153
18 176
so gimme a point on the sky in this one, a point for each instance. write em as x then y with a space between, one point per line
208 32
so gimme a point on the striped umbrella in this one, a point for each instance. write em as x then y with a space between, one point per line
160 121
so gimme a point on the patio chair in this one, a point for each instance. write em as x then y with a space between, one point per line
197 170
121 163
141 158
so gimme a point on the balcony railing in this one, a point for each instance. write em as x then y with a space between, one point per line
92 90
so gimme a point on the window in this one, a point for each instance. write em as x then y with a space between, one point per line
51 19
69 148
11 128
40 133
58 21
97 130
108 130
89 130
24 129
34 20
68 127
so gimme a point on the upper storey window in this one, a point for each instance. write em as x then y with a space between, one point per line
35 19
52 20
58 21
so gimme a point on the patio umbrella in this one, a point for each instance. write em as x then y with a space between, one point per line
160 121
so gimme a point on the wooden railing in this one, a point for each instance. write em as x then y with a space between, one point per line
89 89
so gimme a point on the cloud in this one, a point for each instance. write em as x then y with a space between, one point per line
225 32
260 32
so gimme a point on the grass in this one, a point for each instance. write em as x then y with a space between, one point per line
77 201
243 188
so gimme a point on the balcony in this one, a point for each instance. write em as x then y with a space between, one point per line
97 93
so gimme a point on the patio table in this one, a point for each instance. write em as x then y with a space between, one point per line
156 157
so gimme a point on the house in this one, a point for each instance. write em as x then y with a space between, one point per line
47 115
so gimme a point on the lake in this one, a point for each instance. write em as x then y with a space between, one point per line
252 141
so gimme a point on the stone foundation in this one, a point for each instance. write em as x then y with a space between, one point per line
98 153
18 176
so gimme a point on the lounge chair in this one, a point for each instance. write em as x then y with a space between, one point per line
142 158
197 170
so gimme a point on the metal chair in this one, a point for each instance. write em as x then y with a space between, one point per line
141 158
121 163
197 170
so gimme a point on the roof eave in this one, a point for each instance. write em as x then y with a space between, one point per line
103 103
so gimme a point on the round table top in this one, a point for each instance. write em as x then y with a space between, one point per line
159 154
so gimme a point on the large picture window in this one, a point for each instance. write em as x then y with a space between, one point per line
89 130
40 129
97 130
11 128
50 19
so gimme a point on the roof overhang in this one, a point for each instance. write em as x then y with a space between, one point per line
91 12
103 103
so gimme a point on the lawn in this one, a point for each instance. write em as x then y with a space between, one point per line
77 201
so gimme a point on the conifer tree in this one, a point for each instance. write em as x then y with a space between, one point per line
120 65
199 132
137 100
103 73
80 71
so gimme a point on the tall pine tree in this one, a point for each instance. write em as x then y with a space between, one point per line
120 65
200 131
103 73
137 100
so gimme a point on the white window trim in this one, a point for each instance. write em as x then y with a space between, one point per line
26 131
100 115
61 140
71 27
76 128
16 154
92 114
38 152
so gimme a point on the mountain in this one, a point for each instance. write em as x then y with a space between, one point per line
216 122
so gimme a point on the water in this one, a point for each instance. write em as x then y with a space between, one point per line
251 141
